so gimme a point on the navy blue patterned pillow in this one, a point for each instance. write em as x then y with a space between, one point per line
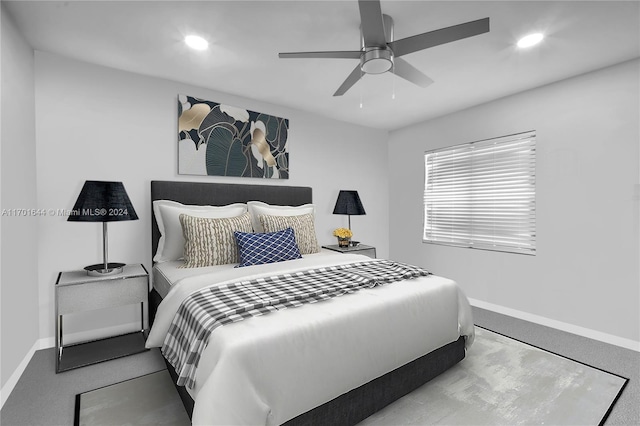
268 247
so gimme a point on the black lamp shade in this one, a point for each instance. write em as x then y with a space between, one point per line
101 201
349 203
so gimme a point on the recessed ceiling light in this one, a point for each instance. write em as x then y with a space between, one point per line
196 42
530 40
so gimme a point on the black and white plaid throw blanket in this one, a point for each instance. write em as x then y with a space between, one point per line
212 307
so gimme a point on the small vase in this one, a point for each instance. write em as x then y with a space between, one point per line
344 242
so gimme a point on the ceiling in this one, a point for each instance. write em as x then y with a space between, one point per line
245 37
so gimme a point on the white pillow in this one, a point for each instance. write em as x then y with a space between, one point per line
258 208
171 243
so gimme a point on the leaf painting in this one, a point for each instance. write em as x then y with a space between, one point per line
222 140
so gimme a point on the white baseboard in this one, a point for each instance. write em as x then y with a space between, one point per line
570 328
13 380
49 342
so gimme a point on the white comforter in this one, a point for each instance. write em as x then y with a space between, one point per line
269 369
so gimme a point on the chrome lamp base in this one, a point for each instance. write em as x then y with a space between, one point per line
105 268
98 270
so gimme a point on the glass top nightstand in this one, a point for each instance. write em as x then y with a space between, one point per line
76 292
359 249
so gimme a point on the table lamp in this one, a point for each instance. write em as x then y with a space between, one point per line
349 203
101 201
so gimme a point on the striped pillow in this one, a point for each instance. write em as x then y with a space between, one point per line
210 241
303 228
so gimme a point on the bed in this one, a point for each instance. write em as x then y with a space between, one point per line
332 362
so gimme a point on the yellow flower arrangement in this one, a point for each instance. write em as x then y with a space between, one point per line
342 233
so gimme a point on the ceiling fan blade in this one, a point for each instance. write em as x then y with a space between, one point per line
353 78
404 69
438 37
337 54
372 24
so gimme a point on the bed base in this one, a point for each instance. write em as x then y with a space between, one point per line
358 404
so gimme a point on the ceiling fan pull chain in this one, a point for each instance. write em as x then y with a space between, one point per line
393 82
360 88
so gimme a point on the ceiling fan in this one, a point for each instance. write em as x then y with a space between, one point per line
380 53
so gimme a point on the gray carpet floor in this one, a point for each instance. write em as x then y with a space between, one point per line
503 381
42 397
614 359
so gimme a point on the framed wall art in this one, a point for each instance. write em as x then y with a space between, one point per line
221 140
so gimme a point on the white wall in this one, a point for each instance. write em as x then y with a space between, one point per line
18 259
99 123
585 272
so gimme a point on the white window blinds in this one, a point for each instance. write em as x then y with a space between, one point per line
482 194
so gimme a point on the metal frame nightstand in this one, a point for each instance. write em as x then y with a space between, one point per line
359 249
75 292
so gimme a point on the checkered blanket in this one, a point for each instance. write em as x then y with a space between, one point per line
212 307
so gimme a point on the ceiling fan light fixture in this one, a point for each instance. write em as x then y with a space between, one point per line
196 42
380 52
376 61
530 40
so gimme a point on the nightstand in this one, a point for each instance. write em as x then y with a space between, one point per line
359 249
77 292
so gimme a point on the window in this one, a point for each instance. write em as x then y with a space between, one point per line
482 194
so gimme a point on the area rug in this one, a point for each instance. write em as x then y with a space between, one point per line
503 381
147 400
500 382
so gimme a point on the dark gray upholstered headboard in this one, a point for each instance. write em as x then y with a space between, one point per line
220 194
